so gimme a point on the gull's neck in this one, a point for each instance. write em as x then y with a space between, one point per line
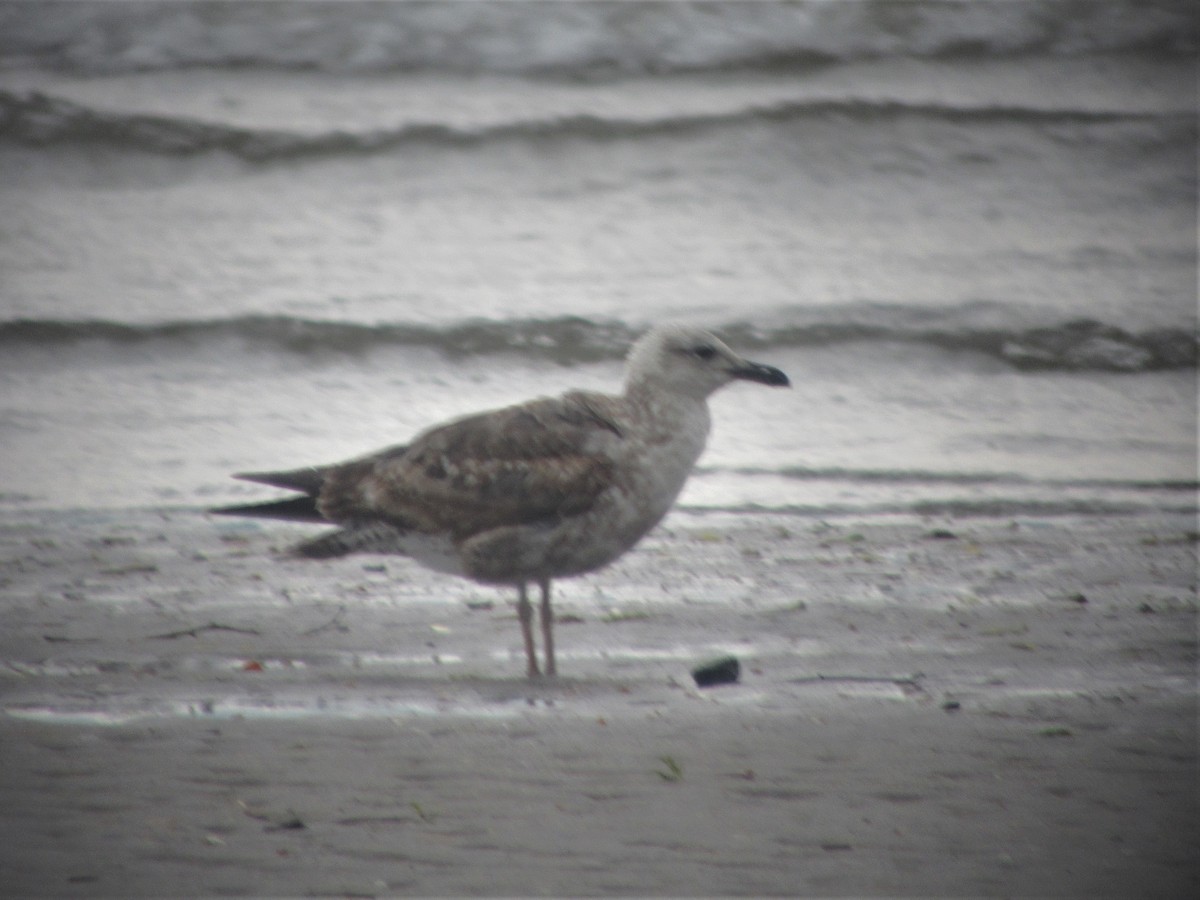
665 414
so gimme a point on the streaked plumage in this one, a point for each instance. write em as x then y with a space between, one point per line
555 487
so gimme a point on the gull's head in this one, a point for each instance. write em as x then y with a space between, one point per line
691 362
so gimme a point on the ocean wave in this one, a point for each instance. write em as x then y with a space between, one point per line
572 39
1071 346
37 119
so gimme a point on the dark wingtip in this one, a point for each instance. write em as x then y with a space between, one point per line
308 480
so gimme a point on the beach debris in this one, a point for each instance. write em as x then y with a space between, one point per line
423 814
195 632
726 670
112 540
673 771
942 534
289 822
1056 731
798 606
131 569
625 615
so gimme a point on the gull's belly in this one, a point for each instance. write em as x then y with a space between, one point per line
651 473
622 516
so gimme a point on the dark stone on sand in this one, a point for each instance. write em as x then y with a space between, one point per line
288 823
725 670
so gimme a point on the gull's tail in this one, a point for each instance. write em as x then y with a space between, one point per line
353 537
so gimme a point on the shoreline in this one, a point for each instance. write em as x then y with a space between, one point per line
976 706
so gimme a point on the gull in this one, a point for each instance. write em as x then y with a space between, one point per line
552 488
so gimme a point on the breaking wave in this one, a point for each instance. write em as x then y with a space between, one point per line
37 119
1071 346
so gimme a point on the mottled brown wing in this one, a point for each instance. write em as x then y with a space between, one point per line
518 465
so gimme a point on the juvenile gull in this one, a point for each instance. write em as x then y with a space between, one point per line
555 487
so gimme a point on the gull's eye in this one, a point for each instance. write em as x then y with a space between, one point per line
704 351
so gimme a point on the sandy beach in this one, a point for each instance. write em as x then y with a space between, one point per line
976 707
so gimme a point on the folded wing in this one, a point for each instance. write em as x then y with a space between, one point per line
539 461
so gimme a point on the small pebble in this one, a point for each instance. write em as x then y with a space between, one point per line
725 670
289 823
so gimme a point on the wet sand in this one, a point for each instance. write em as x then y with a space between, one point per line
987 706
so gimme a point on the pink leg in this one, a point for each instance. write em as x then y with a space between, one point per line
547 616
525 614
